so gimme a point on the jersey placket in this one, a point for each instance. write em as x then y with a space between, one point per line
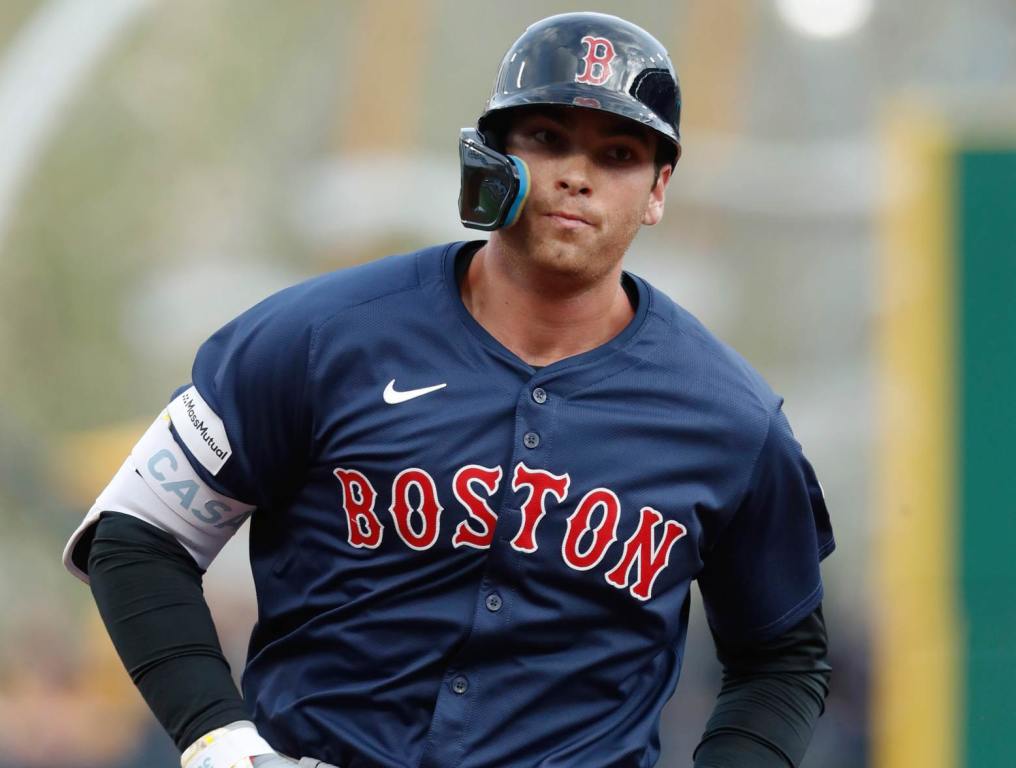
468 690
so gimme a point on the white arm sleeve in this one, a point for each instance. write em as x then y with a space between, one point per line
158 485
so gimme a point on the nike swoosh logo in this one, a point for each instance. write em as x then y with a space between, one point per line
394 397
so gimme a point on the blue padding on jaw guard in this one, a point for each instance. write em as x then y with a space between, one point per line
522 195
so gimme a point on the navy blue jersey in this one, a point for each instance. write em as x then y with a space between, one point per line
461 560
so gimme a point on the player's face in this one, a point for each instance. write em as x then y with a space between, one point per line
592 187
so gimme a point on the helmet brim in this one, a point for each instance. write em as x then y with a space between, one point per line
581 96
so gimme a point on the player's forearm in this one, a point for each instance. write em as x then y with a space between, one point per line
766 722
148 590
772 696
731 749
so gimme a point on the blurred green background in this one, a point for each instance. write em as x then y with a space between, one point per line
167 164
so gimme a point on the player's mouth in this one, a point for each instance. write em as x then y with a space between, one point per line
568 220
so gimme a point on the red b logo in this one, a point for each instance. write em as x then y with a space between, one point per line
597 60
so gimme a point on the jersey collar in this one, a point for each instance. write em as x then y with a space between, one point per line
590 364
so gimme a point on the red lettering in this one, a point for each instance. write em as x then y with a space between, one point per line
596 63
479 510
540 483
428 509
590 530
580 524
639 552
358 497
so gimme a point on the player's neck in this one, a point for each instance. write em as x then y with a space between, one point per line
539 318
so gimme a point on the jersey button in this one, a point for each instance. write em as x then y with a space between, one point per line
494 602
531 440
540 395
460 685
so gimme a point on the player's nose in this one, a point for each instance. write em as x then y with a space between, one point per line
573 176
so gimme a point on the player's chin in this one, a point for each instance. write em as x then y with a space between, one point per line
572 260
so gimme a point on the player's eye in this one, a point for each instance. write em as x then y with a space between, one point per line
621 154
546 136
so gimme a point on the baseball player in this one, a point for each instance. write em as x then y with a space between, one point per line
481 479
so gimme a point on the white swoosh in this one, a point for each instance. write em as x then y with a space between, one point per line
393 396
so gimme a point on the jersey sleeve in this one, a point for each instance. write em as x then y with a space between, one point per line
762 577
237 438
244 421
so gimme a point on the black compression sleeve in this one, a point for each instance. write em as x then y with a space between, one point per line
771 698
148 590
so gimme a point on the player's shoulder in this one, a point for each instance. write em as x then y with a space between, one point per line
685 346
346 288
323 297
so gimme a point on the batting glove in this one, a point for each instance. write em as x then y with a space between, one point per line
273 761
239 745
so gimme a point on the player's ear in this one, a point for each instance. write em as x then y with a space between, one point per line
657 196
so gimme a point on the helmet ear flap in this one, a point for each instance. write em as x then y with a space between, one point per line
494 129
494 186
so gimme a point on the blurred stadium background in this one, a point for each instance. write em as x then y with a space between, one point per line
844 215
